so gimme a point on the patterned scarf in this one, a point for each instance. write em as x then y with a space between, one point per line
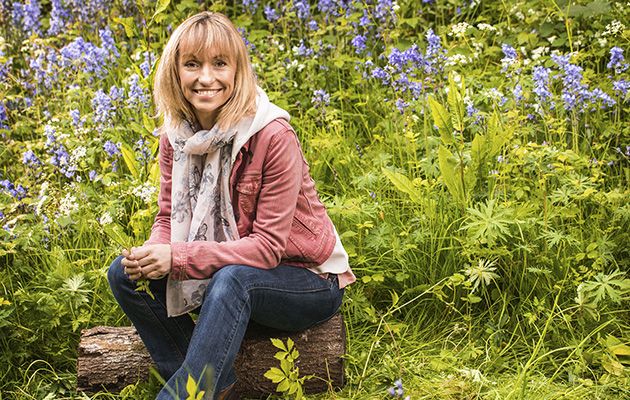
201 207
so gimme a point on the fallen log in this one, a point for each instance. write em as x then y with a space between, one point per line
111 358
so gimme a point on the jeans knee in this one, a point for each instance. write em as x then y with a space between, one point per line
116 274
229 280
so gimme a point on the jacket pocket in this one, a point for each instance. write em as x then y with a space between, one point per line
248 189
305 240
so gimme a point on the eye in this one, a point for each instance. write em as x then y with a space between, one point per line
190 64
219 62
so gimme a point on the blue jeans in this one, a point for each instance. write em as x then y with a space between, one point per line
286 298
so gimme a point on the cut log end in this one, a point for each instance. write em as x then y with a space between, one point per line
111 358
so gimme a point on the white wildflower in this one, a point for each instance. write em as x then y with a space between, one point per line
539 52
68 204
459 30
472 373
614 28
457 59
77 154
106 219
486 27
145 191
481 274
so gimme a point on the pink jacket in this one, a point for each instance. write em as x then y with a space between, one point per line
279 216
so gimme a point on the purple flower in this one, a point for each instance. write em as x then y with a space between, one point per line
302 8
26 17
3 116
312 25
510 57
103 109
92 175
616 60
302 50
76 118
380 73
250 5
270 13
147 64
517 92
107 42
384 10
29 158
137 95
620 86
359 43
142 151
112 149
320 97
541 83
401 105
58 17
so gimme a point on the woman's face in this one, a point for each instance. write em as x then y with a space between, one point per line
207 82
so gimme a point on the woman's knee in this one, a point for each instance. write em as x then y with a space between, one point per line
230 278
116 273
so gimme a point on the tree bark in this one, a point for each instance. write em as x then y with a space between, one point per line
111 358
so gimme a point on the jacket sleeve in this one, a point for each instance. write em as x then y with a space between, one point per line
265 246
161 229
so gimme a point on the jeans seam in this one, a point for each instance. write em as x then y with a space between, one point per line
156 318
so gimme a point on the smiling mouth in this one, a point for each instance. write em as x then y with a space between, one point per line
207 92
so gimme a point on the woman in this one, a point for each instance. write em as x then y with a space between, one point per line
240 233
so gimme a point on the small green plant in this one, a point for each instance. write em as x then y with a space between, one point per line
288 375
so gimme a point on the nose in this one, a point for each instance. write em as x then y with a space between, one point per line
206 75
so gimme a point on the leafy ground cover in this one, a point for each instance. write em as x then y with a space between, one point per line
474 157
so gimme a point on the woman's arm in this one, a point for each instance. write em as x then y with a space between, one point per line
161 229
265 246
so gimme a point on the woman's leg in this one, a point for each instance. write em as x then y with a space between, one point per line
166 338
286 298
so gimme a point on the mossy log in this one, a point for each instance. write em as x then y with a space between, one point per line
111 358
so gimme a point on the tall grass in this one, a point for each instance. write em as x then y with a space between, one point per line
473 156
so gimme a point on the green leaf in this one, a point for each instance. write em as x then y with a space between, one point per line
130 160
402 183
161 6
128 24
274 375
448 168
283 386
442 120
456 105
279 344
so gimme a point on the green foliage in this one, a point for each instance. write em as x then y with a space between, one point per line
288 375
488 228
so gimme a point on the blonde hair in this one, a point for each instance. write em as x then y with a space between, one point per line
205 31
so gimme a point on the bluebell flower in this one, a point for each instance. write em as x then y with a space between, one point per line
58 17
382 75
541 83
137 95
384 10
599 95
364 21
327 7
112 149
510 57
116 93
4 67
147 64
359 43
401 105
142 151
92 175
270 13
320 98
29 158
26 17
3 116
517 92
620 86
250 5
312 25
107 42
302 8
574 93
434 55
76 118
616 60
302 50
103 109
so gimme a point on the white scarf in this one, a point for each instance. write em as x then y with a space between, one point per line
201 208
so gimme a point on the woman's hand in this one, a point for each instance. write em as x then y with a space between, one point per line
151 261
